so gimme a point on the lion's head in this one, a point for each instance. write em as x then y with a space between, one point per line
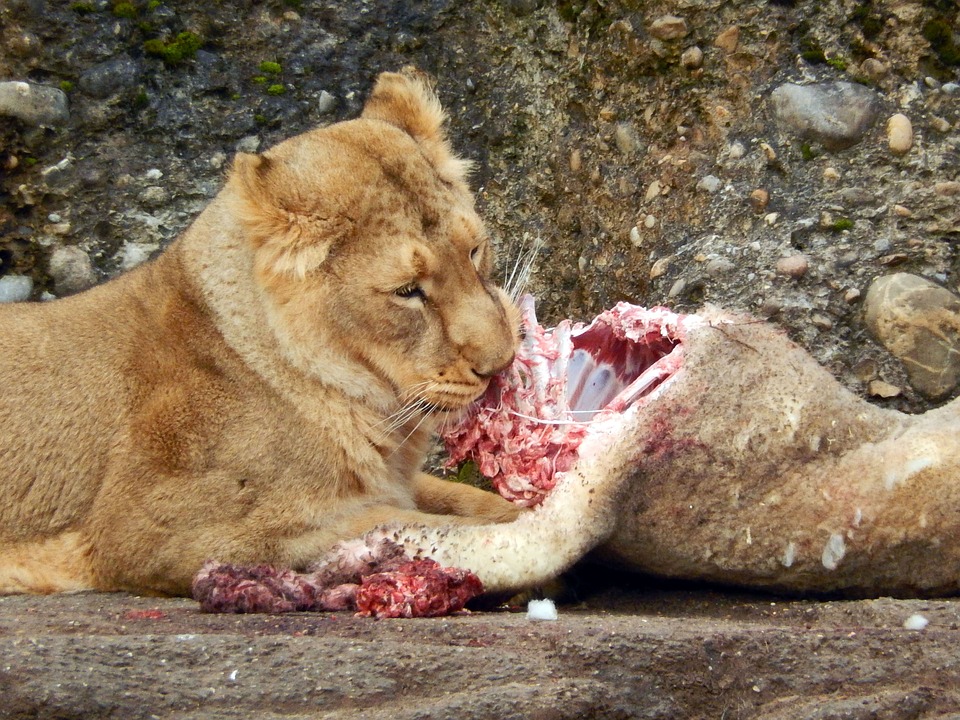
373 263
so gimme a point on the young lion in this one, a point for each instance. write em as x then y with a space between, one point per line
268 385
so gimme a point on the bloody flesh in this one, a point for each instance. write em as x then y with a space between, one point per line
526 429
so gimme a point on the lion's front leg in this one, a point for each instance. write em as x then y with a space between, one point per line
445 497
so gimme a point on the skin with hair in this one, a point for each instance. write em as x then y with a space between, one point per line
268 386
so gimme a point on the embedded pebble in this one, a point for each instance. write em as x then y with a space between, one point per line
71 270
677 288
154 196
326 103
918 321
709 183
794 266
899 134
134 254
947 189
831 174
15 288
759 199
660 267
650 222
34 104
720 266
728 39
737 150
950 88
626 138
836 114
874 69
106 78
248 144
883 389
692 58
575 161
939 124
669 27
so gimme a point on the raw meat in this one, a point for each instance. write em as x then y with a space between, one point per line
378 580
525 431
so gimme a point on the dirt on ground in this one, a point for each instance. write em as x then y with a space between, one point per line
625 652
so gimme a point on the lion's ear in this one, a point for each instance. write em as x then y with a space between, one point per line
288 237
406 100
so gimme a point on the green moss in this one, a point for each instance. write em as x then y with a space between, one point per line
570 11
260 119
66 86
125 10
30 161
174 51
841 224
939 34
806 150
260 79
82 8
276 90
270 68
141 99
811 51
837 62
870 24
153 5
145 26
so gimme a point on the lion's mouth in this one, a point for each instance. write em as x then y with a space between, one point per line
529 424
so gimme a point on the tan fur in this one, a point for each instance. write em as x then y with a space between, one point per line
234 398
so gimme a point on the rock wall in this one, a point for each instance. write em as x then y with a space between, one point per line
773 157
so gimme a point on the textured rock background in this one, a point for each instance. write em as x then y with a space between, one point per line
637 140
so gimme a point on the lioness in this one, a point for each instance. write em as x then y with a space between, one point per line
268 385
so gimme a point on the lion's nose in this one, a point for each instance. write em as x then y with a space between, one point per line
488 370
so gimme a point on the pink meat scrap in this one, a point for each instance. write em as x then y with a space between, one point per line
379 581
520 434
420 588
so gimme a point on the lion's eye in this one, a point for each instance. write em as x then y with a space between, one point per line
475 254
410 291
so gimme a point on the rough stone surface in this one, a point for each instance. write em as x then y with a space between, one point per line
919 322
33 104
834 114
633 652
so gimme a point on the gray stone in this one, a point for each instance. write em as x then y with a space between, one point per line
15 288
709 183
918 321
33 104
71 270
837 115
107 78
326 103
